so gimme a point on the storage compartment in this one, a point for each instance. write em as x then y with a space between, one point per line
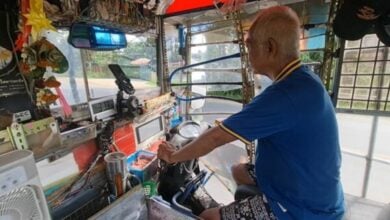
142 164
153 147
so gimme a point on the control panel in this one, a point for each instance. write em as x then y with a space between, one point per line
102 108
12 178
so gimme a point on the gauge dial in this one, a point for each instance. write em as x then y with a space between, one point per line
190 130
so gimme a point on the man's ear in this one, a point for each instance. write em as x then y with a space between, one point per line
272 47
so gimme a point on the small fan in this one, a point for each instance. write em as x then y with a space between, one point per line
20 203
21 195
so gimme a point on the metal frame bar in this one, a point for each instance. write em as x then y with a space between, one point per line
188 62
161 53
376 159
212 113
210 30
363 112
206 83
383 89
329 50
372 80
366 74
337 78
369 47
213 22
235 70
369 157
363 87
85 77
247 77
213 43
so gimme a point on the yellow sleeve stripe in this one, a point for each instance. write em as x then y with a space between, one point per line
233 133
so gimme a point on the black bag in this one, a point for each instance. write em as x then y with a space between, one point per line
173 177
349 26
382 28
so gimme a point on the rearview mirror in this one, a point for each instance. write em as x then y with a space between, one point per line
96 37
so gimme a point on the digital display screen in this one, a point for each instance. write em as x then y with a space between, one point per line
103 106
149 129
83 35
106 38
115 39
103 38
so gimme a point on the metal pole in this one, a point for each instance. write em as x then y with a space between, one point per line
370 155
337 75
189 75
83 52
326 70
162 64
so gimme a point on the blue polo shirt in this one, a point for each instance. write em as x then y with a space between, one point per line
298 156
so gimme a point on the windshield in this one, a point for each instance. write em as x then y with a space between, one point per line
138 62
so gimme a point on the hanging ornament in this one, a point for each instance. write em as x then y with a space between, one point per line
25 29
65 105
38 56
51 82
37 19
45 97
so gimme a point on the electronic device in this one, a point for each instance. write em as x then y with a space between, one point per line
21 193
127 105
96 37
102 108
122 81
149 131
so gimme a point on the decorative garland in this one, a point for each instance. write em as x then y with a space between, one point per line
39 55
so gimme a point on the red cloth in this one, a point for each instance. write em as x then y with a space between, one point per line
186 6
65 106
26 29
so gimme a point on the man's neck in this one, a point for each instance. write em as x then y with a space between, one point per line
284 68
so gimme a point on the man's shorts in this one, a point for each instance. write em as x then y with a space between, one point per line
253 207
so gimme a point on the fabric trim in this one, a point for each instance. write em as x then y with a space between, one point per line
220 124
287 70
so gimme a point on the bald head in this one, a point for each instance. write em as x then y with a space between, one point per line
281 24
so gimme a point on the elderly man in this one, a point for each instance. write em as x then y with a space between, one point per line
298 155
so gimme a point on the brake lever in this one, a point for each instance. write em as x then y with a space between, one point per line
161 164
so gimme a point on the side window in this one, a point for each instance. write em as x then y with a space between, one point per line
365 76
206 45
363 117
